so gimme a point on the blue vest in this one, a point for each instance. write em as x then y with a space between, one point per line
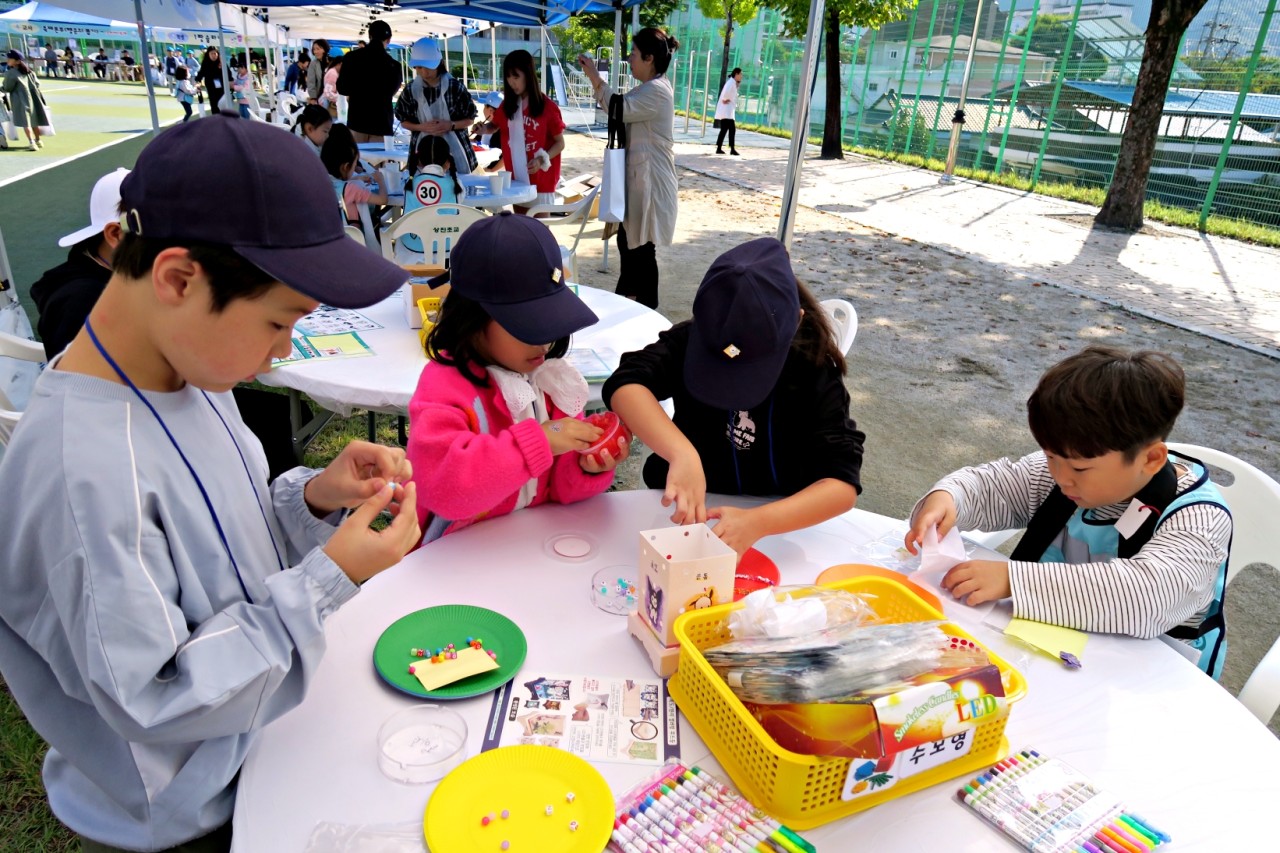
427 190
1085 539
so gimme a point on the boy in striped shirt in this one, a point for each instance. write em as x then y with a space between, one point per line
1122 536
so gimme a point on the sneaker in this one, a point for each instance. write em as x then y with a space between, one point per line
39 144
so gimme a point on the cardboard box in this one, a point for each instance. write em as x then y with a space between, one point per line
576 189
417 288
889 735
682 568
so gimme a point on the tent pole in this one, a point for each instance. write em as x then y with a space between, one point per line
466 57
223 56
494 82
800 126
542 52
617 48
271 69
957 121
145 61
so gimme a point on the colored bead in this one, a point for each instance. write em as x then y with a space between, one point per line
506 845
493 654
470 639
450 646
573 826
418 653
486 820
568 798
550 811
506 814
411 669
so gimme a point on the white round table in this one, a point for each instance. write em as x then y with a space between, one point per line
385 381
1138 718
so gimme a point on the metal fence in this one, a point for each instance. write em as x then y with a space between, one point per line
1050 87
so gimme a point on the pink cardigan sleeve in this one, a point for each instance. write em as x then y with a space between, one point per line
461 473
569 483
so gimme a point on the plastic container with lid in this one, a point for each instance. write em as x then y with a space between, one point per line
421 744
614 430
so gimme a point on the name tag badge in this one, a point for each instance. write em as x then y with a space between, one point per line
1133 518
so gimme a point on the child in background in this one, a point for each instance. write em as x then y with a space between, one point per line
314 124
242 91
435 183
183 90
341 158
760 404
1120 537
485 132
154 618
498 412
329 95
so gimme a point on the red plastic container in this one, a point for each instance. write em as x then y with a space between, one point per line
614 429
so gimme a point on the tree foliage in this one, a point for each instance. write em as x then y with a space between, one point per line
838 13
1049 38
734 13
1228 74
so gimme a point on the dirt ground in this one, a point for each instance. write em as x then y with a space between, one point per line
948 349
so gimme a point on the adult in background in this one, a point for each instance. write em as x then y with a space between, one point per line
100 61
171 64
210 77
435 103
315 71
297 73
69 61
50 61
370 78
531 127
726 109
26 101
649 113
65 294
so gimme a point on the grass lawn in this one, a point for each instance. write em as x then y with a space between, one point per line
26 824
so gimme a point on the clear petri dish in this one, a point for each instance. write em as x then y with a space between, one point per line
421 744
614 590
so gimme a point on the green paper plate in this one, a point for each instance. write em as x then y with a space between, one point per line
434 628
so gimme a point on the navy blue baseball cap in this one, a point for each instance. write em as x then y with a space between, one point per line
261 191
745 316
511 265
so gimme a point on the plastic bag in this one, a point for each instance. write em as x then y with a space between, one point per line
779 612
366 838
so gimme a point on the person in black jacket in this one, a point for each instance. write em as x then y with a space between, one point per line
210 77
757 379
65 294
370 78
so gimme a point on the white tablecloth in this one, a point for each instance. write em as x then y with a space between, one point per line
480 194
385 381
1138 718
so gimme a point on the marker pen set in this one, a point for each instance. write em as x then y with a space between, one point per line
1049 807
684 809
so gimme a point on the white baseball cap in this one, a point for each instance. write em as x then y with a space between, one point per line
493 99
425 54
104 207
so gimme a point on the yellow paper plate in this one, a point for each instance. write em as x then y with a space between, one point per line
524 780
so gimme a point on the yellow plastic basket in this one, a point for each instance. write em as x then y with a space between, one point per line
429 308
804 791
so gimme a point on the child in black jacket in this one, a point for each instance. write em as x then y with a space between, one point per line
760 404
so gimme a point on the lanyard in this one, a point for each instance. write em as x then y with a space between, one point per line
199 484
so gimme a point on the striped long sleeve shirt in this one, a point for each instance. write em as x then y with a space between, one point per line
1169 582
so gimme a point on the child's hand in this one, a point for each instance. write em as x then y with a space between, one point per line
534 166
738 528
570 434
937 510
608 461
687 489
359 550
980 580
359 472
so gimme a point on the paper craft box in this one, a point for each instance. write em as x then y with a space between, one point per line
682 568
417 288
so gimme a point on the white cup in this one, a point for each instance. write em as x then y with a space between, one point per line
506 179
495 183
388 142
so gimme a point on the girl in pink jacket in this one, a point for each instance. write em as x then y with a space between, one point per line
497 410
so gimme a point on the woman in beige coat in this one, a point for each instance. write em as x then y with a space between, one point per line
649 113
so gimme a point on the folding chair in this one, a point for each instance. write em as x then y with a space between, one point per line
12 346
438 227
558 215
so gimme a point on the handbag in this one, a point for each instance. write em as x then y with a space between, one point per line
613 184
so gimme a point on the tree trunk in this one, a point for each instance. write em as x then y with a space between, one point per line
1123 206
833 127
728 38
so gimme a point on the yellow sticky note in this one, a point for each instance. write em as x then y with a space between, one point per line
1050 639
468 662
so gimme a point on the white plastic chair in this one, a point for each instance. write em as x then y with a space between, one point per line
438 227
845 319
1254 501
558 215
356 234
12 346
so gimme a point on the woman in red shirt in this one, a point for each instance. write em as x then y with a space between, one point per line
531 126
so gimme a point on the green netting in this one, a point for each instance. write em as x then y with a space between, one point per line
1050 87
